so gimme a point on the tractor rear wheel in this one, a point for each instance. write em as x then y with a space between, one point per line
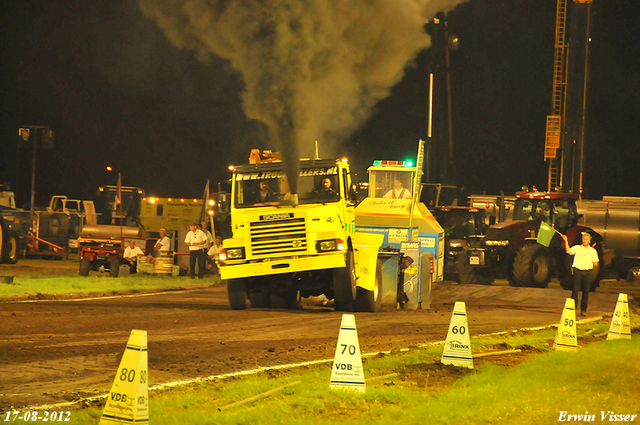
532 267
469 275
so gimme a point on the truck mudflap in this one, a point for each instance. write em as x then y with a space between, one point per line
365 248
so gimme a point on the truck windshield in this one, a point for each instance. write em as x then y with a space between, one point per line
270 188
390 184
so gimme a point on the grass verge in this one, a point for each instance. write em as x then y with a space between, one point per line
534 387
31 286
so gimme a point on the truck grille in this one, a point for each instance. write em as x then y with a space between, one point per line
278 237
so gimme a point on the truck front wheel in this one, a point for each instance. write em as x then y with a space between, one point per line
237 292
532 267
370 301
344 284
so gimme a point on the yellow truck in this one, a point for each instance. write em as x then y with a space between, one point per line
288 245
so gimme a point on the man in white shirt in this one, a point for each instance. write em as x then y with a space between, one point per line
398 191
205 229
131 256
585 269
196 240
213 253
164 243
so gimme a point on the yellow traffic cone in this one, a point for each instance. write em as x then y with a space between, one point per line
457 348
566 337
620 324
128 400
347 370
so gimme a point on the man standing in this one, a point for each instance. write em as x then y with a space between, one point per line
196 240
131 256
585 268
205 229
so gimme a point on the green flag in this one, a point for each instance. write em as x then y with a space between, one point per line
545 234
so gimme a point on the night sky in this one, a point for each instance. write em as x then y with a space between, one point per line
117 92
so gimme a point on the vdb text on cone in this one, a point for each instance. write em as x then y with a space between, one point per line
347 372
128 400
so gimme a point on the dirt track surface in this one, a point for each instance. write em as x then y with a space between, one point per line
53 351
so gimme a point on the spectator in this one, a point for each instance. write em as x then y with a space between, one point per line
164 243
213 254
130 256
196 240
205 229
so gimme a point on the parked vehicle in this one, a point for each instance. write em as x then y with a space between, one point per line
510 250
101 246
617 219
459 223
9 243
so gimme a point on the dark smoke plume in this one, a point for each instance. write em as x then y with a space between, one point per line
313 69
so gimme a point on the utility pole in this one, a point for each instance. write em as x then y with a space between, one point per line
442 44
47 140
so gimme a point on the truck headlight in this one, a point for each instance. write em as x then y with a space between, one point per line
231 254
329 245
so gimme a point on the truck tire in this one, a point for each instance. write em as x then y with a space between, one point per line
532 267
237 293
10 248
370 301
85 266
469 275
344 284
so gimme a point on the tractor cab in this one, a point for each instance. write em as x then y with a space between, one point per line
557 209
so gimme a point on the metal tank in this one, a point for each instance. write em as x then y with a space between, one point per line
617 219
